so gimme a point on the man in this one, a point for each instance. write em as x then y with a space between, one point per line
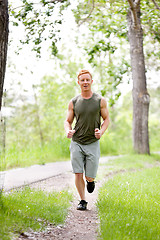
87 108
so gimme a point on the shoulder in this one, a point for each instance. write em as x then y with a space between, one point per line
103 102
74 100
70 105
96 95
99 97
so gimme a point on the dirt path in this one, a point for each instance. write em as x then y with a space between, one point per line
79 224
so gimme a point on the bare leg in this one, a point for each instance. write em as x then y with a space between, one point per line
80 185
89 179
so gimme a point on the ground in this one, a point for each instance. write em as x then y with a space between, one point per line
79 224
82 225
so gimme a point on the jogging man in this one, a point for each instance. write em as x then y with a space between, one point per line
87 108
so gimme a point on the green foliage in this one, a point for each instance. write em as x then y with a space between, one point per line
21 156
54 99
41 21
52 102
99 47
128 206
155 101
107 51
154 115
32 121
23 143
105 44
154 127
110 75
108 38
130 162
27 209
150 20
118 140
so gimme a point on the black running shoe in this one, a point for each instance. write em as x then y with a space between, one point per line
82 205
90 186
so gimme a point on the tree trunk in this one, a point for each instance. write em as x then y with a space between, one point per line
140 95
4 20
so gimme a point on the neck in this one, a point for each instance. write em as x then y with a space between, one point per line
86 94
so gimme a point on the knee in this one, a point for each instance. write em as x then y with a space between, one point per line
78 175
89 179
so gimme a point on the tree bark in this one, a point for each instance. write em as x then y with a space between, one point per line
4 21
140 95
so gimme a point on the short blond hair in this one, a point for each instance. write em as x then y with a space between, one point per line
83 71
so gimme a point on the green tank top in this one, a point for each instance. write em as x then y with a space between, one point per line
88 117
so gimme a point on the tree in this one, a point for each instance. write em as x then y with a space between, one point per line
42 23
34 27
116 25
35 33
141 98
3 43
140 94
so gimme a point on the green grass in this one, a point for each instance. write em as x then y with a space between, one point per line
114 143
129 203
116 140
27 209
128 163
20 156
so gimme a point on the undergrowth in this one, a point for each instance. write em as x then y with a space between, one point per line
26 209
128 204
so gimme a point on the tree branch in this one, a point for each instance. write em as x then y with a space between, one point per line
137 2
83 20
133 10
131 3
51 1
156 5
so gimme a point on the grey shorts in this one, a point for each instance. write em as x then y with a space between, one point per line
85 158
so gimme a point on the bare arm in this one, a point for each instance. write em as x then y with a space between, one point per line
105 116
69 120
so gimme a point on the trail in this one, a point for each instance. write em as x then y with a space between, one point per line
79 224
82 225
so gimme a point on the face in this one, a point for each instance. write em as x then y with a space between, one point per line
85 82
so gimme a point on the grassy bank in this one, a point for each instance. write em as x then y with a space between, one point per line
128 203
18 155
26 210
128 163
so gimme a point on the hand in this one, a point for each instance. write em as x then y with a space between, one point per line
70 133
97 133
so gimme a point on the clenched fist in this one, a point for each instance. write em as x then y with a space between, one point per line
70 133
98 133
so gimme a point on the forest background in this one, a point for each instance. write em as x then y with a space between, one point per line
38 87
